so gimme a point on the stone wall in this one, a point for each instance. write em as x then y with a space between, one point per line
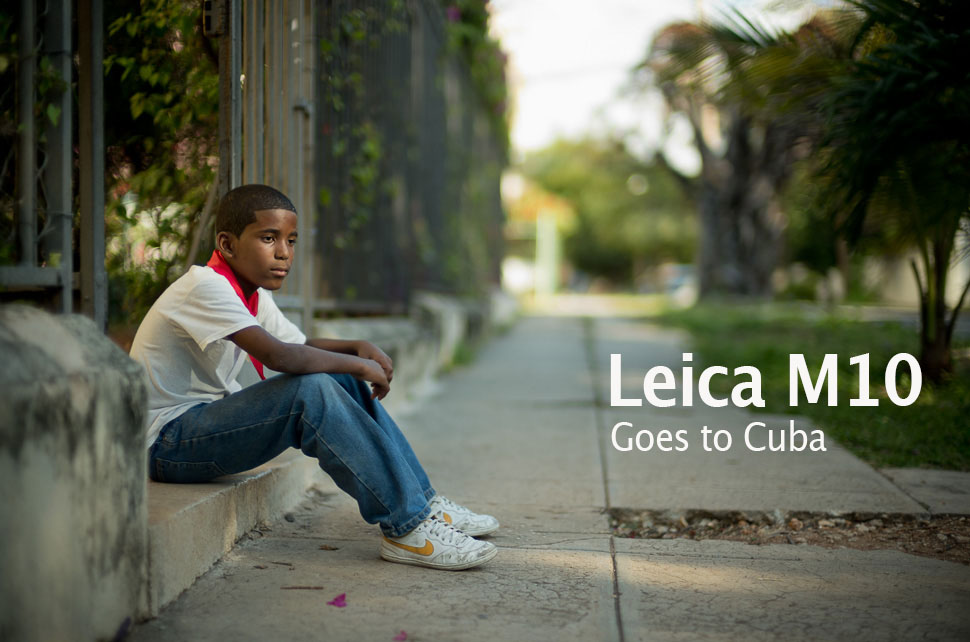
73 532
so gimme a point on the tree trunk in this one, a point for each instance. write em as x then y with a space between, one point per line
843 263
935 355
740 221
935 359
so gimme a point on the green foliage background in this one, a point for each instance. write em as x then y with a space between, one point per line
617 230
161 119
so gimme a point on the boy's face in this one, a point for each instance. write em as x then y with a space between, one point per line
262 255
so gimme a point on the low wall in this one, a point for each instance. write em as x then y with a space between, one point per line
73 532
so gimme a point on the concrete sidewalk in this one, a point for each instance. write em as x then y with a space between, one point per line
524 433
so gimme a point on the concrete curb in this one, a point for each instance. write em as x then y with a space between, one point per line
191 526
515 434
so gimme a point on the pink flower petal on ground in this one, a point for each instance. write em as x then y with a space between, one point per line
400 637
340 601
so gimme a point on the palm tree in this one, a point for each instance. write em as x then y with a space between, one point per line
877 95
748 147
896 146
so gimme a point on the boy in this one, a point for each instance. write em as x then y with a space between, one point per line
194 341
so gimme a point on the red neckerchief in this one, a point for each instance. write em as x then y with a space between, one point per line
218 263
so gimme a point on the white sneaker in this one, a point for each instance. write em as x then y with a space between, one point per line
468 522
437 544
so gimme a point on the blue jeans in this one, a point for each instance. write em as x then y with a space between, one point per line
329 417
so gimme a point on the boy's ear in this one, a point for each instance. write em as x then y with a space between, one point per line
225 243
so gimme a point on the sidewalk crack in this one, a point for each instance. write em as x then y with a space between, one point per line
599 402
898 487
616 591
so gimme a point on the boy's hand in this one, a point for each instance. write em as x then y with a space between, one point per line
367 350
319 355
373 373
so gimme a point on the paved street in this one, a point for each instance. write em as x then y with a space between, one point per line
524 433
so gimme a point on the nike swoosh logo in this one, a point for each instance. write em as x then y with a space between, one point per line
425 550
446 517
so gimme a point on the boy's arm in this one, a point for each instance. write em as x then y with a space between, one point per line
363 349
334 345
295 358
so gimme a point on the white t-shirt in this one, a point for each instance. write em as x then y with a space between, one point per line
182 343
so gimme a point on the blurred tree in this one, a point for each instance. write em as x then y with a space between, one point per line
788 76
629 214
745 157
896 149
883 93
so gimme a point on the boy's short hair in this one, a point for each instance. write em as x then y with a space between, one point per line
238 207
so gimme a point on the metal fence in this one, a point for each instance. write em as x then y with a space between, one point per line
274 141
407 167
356 109
359 112
44 163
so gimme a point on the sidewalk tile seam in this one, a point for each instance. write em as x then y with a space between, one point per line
552 549
892 482
617 593
718 557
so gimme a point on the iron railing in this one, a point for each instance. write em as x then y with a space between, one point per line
408 165
357 110
37 193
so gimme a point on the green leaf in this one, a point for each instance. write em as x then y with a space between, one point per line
137 105
53 113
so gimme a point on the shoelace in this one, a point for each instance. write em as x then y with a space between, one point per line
450 505
448 533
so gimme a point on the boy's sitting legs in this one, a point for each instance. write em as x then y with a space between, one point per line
462 518
331 418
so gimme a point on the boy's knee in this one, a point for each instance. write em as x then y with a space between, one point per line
318 383
346 381
333 387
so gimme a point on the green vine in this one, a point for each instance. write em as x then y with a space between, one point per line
355 141
467 22
367 154
161 120
364 172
